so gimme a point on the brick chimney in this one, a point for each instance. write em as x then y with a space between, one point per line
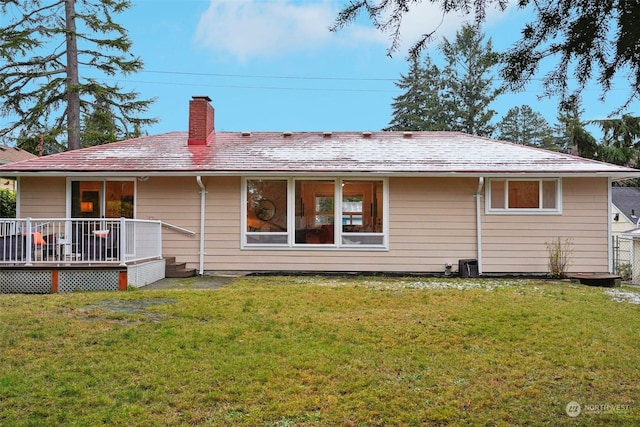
201 124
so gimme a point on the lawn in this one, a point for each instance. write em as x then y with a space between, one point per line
324 351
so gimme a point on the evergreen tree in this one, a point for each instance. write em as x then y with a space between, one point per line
42 47
99 126
587 39
621 140
571 133
419 108
454 99
468 85
44 143
522 125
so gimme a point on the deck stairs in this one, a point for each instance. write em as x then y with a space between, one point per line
174 268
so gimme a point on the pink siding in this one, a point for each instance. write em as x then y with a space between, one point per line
517 243
175 201
42 198
432 221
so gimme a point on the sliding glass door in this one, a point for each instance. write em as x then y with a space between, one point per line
102 199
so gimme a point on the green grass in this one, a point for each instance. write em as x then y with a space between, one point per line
313 351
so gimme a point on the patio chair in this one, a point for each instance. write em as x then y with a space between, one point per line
100 245
12 248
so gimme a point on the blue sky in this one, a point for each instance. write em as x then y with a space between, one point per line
272 65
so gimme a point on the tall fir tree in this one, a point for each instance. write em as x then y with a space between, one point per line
621 140
571 134
456 98
44 45
587 39
419 107
469 88
522 125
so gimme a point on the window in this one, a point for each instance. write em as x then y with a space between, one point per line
314 213
266 211
526 196
362 212
102 199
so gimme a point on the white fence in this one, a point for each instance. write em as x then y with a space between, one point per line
78 240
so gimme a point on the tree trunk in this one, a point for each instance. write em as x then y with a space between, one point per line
73 82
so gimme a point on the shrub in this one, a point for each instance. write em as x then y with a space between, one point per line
7 203
559 251
625 272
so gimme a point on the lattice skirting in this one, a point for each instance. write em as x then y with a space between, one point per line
25 282
88 280
46 281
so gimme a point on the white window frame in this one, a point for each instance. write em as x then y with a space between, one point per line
338 240
524 211
103 181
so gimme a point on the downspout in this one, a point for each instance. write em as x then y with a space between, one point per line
203 199
610 228
478 197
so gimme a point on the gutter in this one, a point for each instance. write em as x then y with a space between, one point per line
478 197
203 199
332 173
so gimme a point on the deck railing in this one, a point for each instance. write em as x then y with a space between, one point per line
28 241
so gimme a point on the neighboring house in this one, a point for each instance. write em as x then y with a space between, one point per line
625 215
10 155
336 201
625 209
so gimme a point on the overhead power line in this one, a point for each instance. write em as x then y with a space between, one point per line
251 76
318 89
291 78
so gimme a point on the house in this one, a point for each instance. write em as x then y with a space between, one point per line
9 155
625 208
625 217
411 202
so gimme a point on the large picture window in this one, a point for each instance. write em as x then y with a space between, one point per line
314 213
526 196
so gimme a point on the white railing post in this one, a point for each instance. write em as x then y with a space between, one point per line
28 240
121 241
159 241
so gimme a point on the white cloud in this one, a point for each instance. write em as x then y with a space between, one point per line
249 28
269 28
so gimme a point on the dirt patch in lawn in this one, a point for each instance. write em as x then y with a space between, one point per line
125 311
198 282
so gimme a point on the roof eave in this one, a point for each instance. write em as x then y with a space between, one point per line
616 176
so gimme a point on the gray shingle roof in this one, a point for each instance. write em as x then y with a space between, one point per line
390 153
627 200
